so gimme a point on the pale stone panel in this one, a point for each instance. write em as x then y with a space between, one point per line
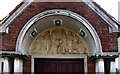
100 66
58 41
18 65
6 66
112 67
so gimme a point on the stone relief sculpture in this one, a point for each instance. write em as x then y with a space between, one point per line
54 42
58 41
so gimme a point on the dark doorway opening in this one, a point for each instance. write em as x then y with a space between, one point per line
59 66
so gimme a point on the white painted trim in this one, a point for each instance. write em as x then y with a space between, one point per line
32 64
112 67
107 54
60 56
102 15
10 52
56 0
87 2
99 66
58 12
1 65
6 67
18 65
14 15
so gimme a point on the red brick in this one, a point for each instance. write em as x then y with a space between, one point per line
108 40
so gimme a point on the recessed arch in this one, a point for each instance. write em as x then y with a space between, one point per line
92 40
58 40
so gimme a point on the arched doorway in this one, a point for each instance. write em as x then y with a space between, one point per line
72 23
50 48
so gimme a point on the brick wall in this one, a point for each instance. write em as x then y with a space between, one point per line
109 41
91 66
27 66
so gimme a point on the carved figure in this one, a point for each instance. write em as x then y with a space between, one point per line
54 43
63 42
58 41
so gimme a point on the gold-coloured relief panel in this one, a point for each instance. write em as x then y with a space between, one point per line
58 41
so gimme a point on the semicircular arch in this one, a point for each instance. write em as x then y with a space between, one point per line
92 37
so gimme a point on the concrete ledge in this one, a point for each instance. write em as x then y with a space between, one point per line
12 54
109 55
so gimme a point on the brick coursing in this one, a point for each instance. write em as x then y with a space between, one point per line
27 66
91 66
108 40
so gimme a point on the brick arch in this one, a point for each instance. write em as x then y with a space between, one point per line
20 46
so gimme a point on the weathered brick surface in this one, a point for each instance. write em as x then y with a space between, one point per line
91 66
27 66
108 41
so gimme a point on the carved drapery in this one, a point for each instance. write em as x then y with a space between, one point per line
58 41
